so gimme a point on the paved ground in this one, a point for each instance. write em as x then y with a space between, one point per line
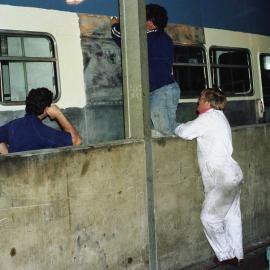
254 260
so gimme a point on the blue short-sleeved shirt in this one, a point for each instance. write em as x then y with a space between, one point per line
29 133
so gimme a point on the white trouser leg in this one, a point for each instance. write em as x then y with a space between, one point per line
220 224
233 225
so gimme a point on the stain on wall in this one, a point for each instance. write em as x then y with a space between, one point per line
102 61
185 34
103 80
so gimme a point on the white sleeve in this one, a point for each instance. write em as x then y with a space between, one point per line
191 129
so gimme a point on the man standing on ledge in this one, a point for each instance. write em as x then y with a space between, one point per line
164 91
29 133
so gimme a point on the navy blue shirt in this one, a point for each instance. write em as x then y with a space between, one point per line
160 56
29 133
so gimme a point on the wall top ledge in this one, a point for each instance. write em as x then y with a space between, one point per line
71 149
261 125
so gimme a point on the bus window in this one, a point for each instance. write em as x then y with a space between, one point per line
27 61
190 70
231 70
265 78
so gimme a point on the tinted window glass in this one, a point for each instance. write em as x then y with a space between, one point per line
190 70
231 70
37 47
27 61
265 76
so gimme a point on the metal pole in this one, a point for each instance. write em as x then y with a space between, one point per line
135 68
136 99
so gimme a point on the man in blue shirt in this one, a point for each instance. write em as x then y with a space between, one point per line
164 91
29 133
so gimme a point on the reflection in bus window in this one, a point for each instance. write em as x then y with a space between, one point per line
27 61
190 70
265 76
231 70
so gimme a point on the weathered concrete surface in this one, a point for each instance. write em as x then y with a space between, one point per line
86 208
179 195
178 198
80 209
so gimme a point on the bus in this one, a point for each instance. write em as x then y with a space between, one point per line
69 49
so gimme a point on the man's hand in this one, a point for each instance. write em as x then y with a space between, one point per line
53 112
114 20
3 149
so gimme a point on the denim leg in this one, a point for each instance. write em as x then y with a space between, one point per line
173 96
163 105
159 116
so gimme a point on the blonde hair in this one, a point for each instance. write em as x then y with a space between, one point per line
215 97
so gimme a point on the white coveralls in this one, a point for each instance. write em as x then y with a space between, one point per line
222 177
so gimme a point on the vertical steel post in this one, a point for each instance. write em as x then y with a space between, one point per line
136 99
135 68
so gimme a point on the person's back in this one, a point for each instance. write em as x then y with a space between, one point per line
214 143
160 59
29 133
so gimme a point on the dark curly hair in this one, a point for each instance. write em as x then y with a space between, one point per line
37 100
157 14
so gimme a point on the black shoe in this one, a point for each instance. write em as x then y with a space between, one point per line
232 261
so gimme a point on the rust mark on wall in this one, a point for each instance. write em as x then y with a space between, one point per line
85 167
185 34
94 26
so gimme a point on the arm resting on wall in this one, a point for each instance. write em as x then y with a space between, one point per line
55 113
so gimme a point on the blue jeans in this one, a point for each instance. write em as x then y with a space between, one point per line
163 105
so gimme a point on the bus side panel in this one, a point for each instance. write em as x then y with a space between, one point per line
238 112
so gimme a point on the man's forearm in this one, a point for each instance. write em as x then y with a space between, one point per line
68 127
55 113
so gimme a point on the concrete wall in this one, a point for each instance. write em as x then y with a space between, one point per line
80 209
86 208
179 195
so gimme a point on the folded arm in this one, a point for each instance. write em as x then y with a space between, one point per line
55 113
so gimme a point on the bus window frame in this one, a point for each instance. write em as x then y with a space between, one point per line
203 65
26 59
261 55
214 67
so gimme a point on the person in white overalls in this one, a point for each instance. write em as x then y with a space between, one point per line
221 175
